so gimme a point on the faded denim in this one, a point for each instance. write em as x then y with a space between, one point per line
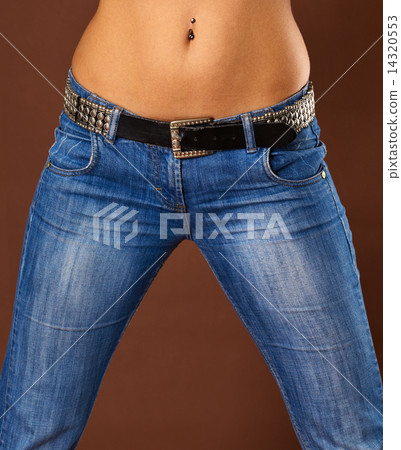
272 228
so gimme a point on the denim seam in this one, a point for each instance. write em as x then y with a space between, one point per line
360 297
379 385
175 186
9 373
312 127
160 197
154 171
369 336
188 224
344 229
157 164
181 207
177 205
14 328
150 281
270 366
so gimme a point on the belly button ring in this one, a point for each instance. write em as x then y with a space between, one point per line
191 31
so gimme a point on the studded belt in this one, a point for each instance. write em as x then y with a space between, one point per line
194 137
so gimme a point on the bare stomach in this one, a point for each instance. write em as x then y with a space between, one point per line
243 56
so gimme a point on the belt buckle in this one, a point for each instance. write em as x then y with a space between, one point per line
176 138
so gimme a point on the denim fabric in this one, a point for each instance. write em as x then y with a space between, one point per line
106 214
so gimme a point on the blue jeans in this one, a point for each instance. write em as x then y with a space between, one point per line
106 214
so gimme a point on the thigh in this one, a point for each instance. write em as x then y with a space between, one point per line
285 258
82 275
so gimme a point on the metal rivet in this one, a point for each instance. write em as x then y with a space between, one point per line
323 174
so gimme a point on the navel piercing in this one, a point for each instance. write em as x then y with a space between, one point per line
191 31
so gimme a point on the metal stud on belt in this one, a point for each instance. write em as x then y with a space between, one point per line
89 115
298 115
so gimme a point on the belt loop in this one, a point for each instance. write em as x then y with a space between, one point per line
248 132
115 117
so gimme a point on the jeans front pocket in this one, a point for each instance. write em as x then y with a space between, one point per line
73 154
299 163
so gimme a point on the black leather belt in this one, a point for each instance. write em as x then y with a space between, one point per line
194 137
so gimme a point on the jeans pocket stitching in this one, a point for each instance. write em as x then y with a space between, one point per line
91 164
269 172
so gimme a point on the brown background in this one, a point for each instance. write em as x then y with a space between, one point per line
186 374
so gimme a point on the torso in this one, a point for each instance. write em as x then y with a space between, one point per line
245 55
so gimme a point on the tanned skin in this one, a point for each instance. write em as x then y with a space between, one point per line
243 55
